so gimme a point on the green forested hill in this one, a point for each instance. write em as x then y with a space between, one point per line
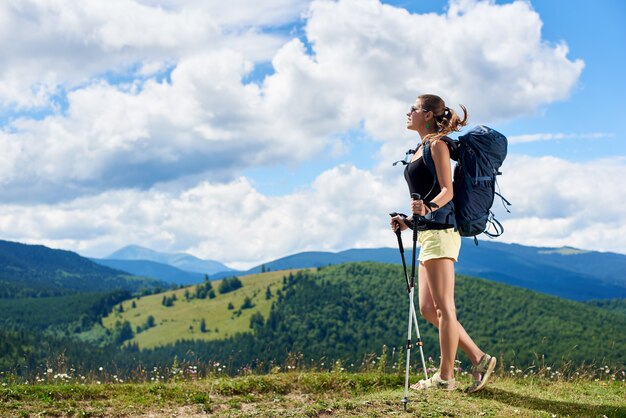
39 331
347 313
615 305
38 271
344 312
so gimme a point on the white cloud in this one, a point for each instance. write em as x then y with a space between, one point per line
232 222
489 57
558 202
368 61
54 46
204 121
238 13
518 139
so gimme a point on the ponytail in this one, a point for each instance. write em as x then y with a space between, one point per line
446 119
449 121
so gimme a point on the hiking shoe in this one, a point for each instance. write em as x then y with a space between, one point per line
485 368
435 382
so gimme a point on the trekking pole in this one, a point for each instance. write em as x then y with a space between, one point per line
401 247
408 290
415 196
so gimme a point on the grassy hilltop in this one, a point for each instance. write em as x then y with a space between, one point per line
182 320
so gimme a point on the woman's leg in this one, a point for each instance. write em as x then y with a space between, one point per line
429 311
440 278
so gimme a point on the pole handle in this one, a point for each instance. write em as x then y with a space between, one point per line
398 233
415 196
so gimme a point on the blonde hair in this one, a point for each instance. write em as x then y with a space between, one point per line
446 119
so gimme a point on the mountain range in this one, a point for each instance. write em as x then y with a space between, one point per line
149 268
35 270
566 272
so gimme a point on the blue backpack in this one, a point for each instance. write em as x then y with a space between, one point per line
479 155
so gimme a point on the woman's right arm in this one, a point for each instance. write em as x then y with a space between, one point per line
398 222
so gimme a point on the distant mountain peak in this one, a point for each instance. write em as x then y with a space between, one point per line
181 261
131 251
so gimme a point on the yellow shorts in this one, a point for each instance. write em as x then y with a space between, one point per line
439 243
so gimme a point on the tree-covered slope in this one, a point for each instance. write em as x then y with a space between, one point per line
60 313
615 305
346 311
38 271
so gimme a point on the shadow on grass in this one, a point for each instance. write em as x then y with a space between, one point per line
552 406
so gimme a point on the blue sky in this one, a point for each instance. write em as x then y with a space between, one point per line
173 129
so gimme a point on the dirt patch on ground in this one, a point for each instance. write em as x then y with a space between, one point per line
187 411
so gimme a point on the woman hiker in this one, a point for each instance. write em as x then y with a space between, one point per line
439 242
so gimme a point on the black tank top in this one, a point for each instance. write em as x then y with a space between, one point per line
420 180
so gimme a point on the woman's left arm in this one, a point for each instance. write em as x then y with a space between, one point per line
441 156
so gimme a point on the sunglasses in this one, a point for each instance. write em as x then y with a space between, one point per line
417 109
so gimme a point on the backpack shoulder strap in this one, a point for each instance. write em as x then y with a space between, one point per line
453 146
428 160
428 157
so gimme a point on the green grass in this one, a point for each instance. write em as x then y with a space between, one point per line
173 323
310 394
